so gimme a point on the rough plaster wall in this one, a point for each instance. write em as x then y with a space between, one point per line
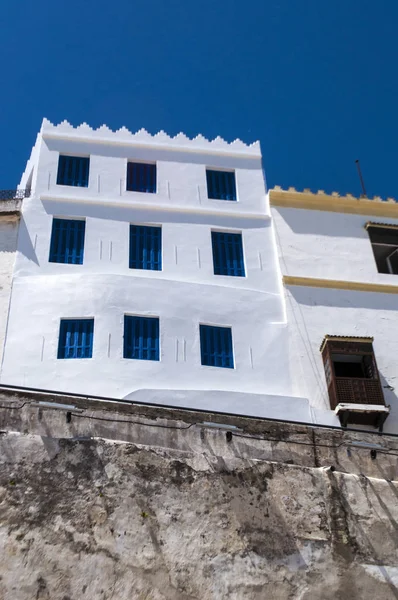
8 246
99 520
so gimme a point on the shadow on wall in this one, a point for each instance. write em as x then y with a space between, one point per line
377 541
323 223
344 299
8 235
129 214
154 154
25 245
391 400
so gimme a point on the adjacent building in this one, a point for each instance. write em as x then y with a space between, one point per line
338 257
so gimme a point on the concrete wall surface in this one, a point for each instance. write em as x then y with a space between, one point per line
183 514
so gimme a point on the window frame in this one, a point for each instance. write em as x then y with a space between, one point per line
52 253
77 156
149 226
229 232
129 316
63 346
142 162
203 326
372 393
371 229
222 170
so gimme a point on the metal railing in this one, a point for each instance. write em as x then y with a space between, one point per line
14 194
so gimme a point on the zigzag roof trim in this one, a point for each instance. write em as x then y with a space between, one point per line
308 192
142 137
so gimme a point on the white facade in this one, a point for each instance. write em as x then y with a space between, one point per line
330 248
183 295
9 220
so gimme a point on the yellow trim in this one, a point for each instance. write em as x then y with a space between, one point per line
340 285
341 204
338 338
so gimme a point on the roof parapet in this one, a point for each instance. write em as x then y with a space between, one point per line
143 138
333 202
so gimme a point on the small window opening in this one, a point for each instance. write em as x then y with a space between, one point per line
384 242
346 365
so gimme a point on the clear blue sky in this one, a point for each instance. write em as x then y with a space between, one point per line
314 80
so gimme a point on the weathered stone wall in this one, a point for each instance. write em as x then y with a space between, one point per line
192 516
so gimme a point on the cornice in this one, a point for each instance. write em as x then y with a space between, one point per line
340 285
333 202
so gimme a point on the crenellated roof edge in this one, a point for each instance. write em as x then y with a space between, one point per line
291 198
143 138
308 192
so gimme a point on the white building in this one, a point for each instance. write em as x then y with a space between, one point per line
338 257
150 268
10 206
122 228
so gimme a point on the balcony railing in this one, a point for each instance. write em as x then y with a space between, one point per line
354 390
14 194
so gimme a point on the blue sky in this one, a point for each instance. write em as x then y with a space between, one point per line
315 81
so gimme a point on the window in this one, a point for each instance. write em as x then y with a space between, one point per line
141 177
145 248
73 170
76 338
384 242
227 254
67 241
216 346
141 338
353 380
221 185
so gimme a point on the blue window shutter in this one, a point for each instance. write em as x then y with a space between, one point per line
216 346
141 177
221 185
76 338
73 170
145 248
227 254
67 241
141 338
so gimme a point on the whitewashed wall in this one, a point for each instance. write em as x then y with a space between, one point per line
314 312
8 247
327 245
183 295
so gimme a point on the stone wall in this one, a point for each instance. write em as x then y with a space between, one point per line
181 513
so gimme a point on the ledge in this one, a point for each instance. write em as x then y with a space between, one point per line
291 198
342 406
123 202
340 285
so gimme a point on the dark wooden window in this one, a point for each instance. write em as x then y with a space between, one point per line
384 242
351 372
